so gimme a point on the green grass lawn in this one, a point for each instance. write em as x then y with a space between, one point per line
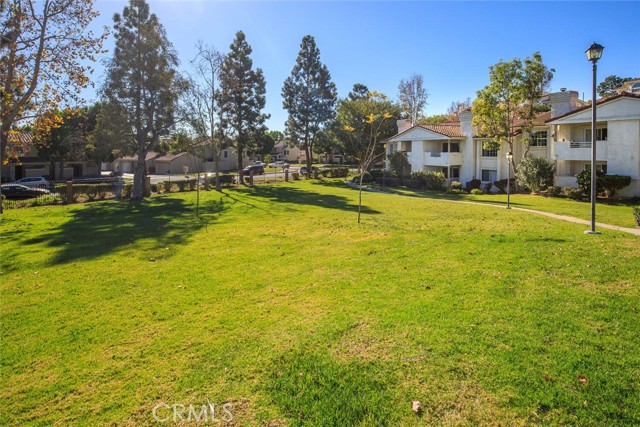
278 302
618 213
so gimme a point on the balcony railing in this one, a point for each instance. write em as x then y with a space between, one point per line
442 159
579 150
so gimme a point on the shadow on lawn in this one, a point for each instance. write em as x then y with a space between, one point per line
102 228
301 197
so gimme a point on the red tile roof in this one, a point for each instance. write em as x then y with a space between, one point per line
598 102
451 130
20 138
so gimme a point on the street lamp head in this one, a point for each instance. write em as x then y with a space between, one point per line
594 52
509 155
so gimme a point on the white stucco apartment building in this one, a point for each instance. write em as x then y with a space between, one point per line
561 135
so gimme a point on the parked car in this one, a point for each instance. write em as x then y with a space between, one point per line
35 182
256 169
303 169
279 164
21 192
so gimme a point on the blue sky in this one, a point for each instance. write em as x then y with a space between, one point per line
452 44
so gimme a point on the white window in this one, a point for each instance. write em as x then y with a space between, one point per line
489 175
539 139
489 153
601 134
455 172
599 167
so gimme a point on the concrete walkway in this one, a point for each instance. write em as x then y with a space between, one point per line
634 231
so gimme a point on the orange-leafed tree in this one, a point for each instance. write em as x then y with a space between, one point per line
46 48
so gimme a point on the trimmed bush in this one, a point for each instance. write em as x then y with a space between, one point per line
535 173
584 181
389 181
473 184
573 193
339 172
366 178
456 186
613 183
428 180
399 163
502 185
553 191
376 173
476 191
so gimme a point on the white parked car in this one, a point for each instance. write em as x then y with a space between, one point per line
35 182
279 164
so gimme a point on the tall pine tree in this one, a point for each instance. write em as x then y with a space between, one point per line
309 97
241 98
141 82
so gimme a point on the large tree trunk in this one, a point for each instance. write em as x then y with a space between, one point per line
138 176
240 150
309 154
216 168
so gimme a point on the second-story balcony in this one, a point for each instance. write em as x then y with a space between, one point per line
579 150
442 159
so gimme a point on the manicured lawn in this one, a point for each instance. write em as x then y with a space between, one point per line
276 301
618 213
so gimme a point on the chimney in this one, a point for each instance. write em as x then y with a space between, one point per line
466 126
563 102
403 124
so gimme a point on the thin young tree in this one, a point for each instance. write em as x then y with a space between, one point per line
309 97
142 82
365 122
413 97
241 98
200 107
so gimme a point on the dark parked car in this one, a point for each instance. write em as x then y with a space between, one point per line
257 170
21 192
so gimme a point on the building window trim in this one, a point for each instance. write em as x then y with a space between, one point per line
489 175
539 138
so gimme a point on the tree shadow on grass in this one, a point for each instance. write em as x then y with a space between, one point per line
295 196
102 228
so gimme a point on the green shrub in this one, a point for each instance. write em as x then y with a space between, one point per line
535 173
428 180
474 183
127 189
389 181
584 181
225 179
376 173
502 185
636 214
572 193
476 191
339 172
399 164
366 178
192 184
612 183
456 186
553 191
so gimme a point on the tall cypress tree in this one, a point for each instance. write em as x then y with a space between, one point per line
241 98
141 82
309 97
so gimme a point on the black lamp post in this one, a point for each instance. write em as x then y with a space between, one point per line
509 157
594 53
